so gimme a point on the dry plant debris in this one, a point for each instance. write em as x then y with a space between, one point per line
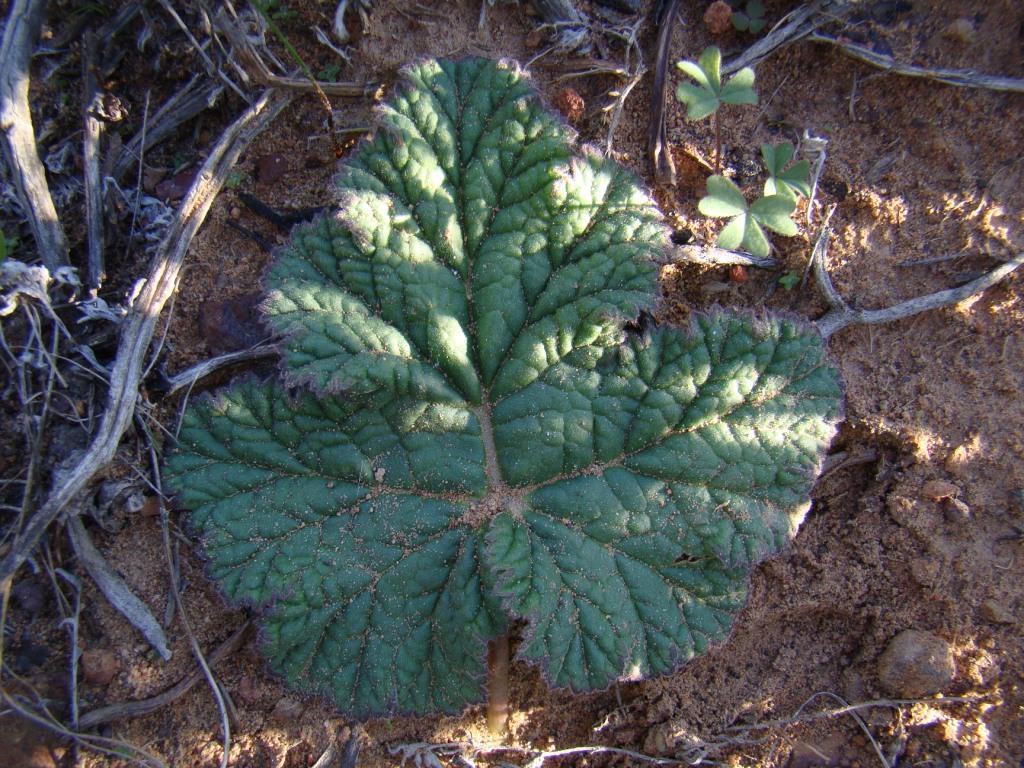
79 371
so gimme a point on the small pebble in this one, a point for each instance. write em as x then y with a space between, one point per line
994 612
960 31
270 168
29 596
937 490
99 666
175 187
569 102
248 691
236 213
738 274
287 709
915 664
956 511
718 17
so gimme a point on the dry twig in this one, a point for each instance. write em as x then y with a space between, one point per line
257 68
211 69
139 325
37 712
711 256
114 712
194 97
805 21
634 70
963 78
570 26
115 589
841 314
657 136
72 624
111 747
225 705
24 19
796 25
94 276
193 375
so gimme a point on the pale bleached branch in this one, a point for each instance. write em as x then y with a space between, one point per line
139 325
193 375
24 20
963 78
841 314
115 589
122 711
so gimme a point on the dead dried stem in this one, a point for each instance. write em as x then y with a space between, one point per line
139 325
24 20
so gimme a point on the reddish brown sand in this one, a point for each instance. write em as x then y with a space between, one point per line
916 169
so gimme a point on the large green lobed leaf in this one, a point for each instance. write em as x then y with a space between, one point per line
475 437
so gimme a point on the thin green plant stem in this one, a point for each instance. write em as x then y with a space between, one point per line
306 71
718 141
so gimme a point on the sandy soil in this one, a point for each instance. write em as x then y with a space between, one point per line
916 170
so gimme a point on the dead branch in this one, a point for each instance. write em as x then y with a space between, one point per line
191 376
796 25
347 90
804 22
800 717
258 70
199 94
91 169
114 588
710 256
138 326
657 137
128 709
543 757
225 706
963 78
842 314
73 623
844 459
570 26
37 711
420 753
635 70
111 747
24 21
211 69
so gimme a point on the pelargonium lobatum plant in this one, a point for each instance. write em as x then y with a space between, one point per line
465 434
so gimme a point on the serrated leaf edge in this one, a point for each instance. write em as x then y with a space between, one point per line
759 322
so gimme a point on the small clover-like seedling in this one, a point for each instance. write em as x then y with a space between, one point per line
709 93
790 280
745 229
790 181
235 179
466 435
750 19
8 243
